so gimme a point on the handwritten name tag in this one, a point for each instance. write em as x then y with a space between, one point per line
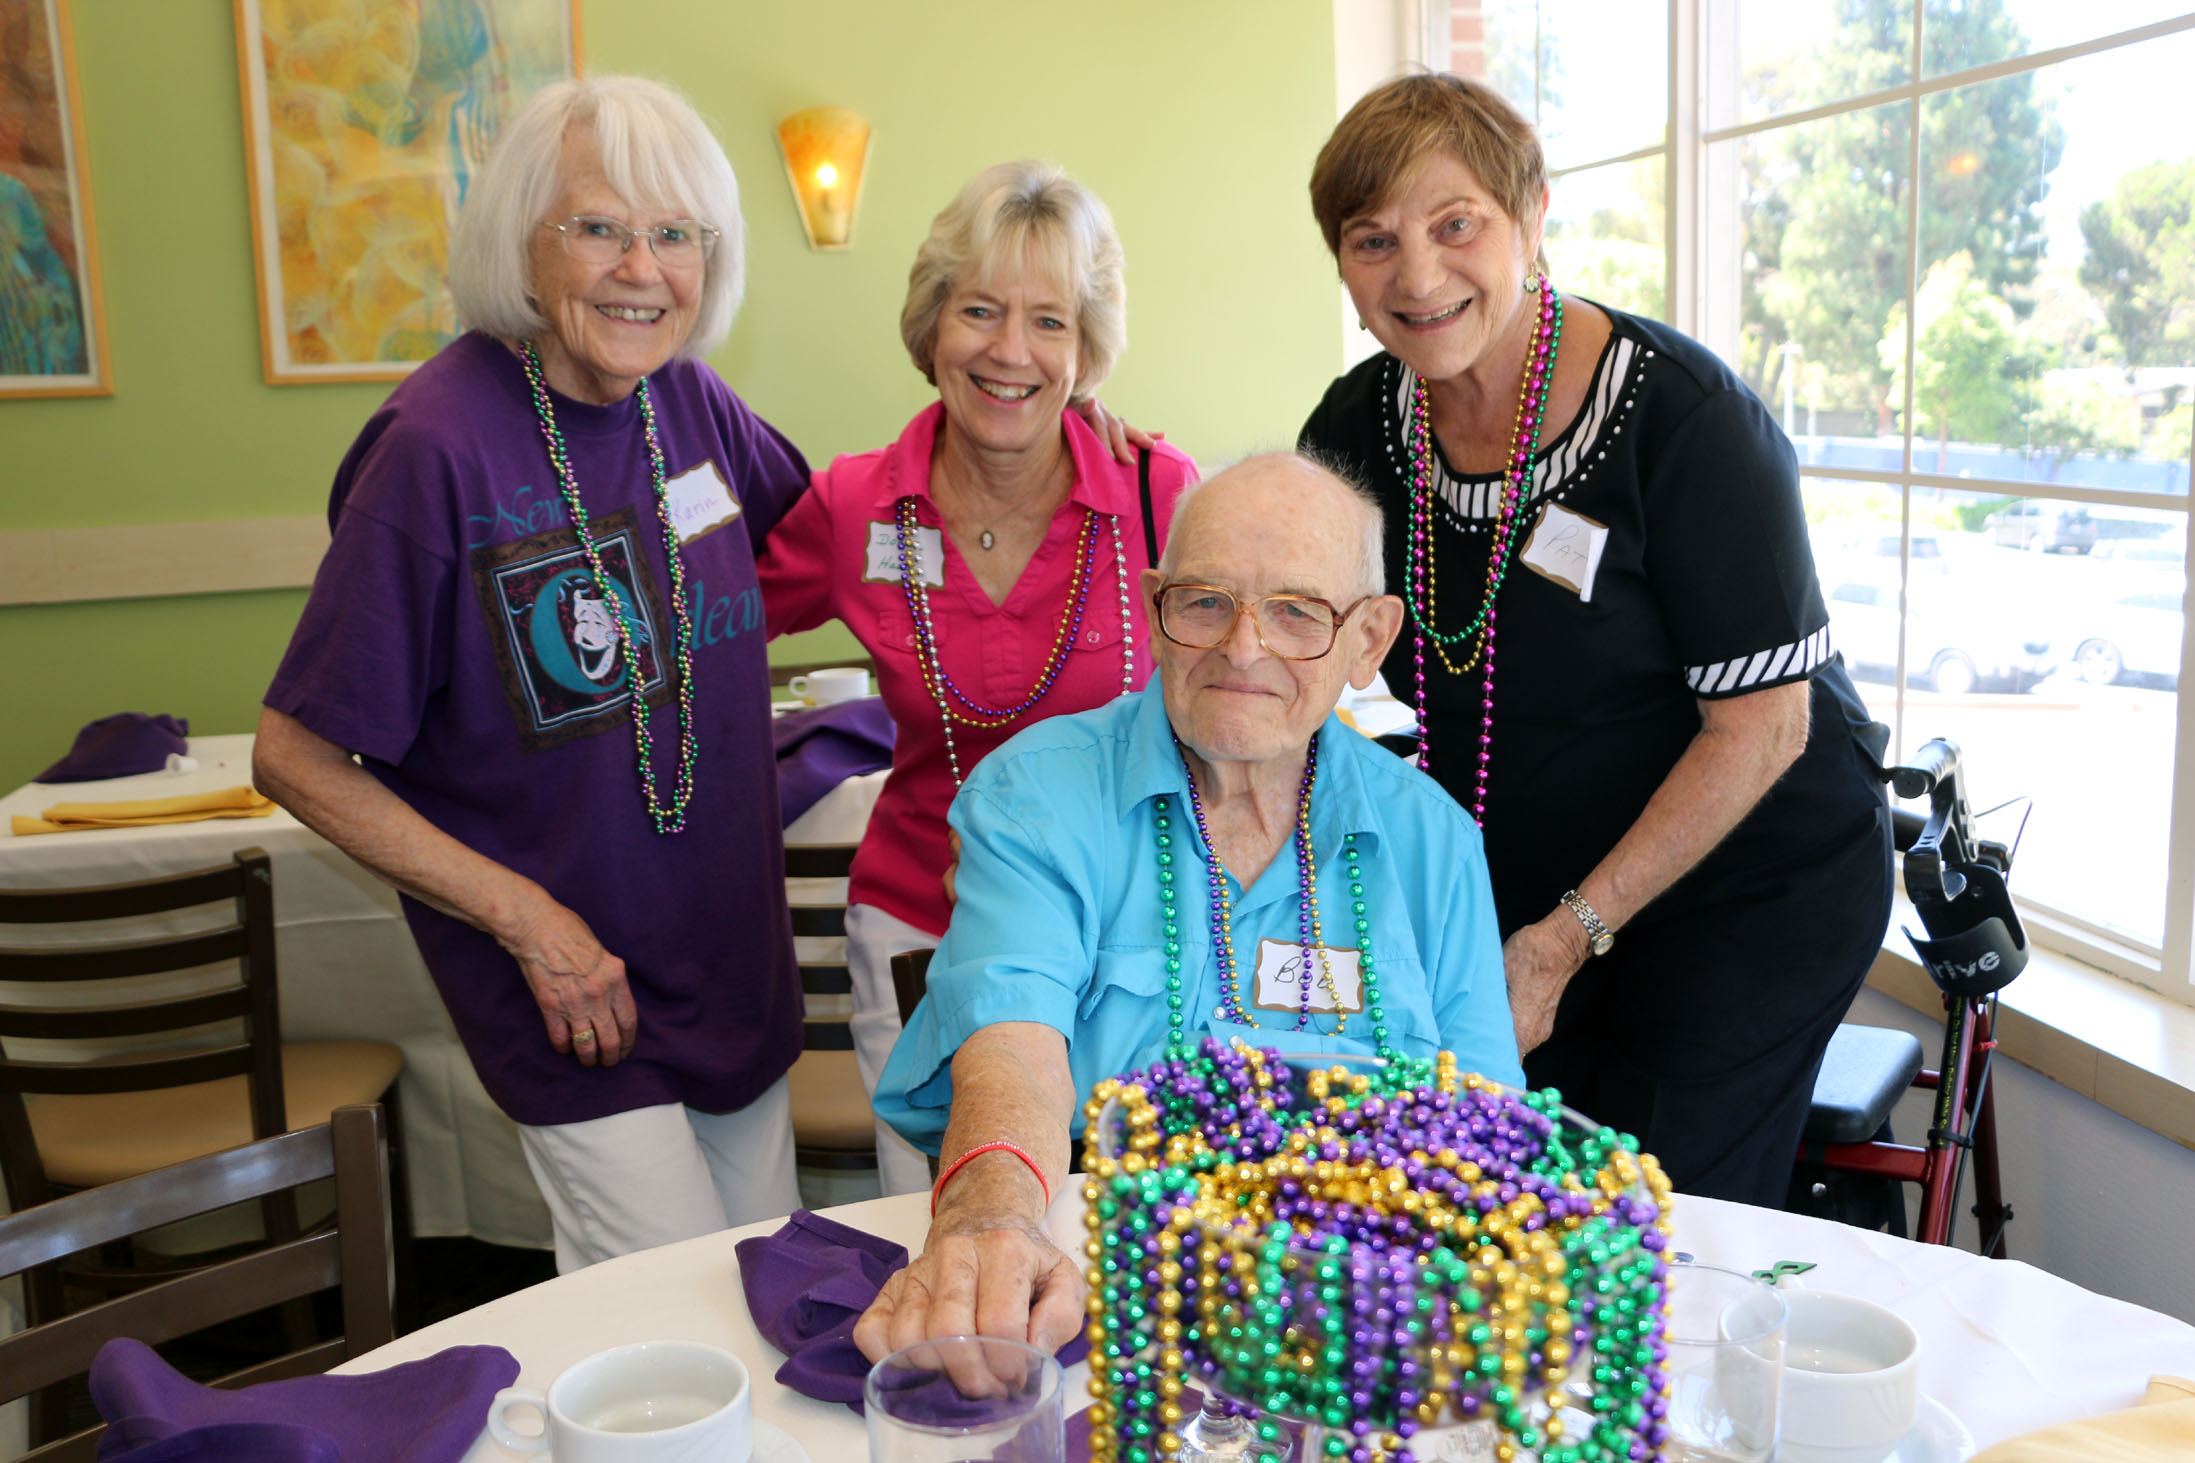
1566 547
700 502
1280 972
883 565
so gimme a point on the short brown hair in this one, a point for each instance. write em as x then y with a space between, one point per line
1395 127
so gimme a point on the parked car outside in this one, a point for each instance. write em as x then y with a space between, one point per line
1953 645
2051 528
2133 637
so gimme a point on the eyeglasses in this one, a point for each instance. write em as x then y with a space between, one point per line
683 243
1291 626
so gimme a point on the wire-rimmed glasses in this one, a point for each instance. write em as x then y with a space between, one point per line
682 243
1291 626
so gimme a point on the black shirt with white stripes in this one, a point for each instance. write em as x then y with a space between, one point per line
1661 558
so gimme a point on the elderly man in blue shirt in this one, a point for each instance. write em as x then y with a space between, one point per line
1218 854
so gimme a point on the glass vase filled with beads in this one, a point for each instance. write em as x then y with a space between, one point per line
1378 1261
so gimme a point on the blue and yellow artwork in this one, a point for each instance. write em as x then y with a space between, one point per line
368 120
49 342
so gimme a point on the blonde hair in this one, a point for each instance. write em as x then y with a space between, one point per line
1394 128
656 152
1016 211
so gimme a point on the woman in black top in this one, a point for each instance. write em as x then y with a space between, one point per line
1618 650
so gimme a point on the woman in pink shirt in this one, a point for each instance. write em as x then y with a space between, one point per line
988 558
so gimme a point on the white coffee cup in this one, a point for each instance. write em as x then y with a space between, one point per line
1851 1379
651 1402
831 686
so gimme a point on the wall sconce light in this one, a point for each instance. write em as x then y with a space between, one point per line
825 149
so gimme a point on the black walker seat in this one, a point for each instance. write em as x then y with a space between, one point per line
1864 1072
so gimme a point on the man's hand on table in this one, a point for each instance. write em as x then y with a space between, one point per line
982 1274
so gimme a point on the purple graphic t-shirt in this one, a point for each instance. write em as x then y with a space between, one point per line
457 642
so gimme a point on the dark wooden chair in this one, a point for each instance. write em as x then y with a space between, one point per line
356 1255
910 978
833 1124
189 1067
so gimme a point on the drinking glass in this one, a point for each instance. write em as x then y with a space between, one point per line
1725 1338
965 1399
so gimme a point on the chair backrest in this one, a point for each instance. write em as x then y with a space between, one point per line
823 920
910 978
247 938
355 1256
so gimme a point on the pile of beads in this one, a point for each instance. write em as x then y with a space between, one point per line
1372 1253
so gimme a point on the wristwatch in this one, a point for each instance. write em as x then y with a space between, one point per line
1598 935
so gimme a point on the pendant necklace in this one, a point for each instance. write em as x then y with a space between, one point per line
944 690
1420 580
668 817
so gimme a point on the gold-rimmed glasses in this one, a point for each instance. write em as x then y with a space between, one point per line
1291 626
682 243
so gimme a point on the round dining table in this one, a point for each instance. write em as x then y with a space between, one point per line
2006 1348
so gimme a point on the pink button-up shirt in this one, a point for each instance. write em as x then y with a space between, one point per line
834 555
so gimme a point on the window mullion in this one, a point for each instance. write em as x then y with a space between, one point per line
1683 178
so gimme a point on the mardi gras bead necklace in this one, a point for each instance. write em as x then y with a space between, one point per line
1371 1253
944 691
1231 1007
1536 385
669 818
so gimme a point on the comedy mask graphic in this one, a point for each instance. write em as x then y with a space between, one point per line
565 659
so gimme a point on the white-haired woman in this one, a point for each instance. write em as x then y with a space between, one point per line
1023 530
555 512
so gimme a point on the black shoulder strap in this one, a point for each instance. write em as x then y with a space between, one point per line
1150 520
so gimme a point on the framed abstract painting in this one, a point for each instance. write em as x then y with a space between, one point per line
365 122
52 323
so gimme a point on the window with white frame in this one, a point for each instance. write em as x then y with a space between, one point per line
1952 245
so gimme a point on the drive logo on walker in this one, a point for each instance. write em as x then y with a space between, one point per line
563 660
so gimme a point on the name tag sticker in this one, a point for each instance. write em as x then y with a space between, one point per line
700 502
1280 973
1566 547
883 565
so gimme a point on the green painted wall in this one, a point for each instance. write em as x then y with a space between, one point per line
1195 121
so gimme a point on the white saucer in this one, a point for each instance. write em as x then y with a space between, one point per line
1936 1437
775 1445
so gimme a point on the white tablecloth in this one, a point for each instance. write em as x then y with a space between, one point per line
2006 1347
349 967
349 971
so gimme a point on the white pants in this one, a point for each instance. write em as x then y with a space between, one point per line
872 939
656 1175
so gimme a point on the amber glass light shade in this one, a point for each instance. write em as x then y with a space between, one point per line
826 149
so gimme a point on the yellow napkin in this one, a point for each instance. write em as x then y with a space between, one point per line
229 802
2161 1430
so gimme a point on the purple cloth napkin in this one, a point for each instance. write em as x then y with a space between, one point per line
820 748
232 1442
807 1284
120 746
426 1411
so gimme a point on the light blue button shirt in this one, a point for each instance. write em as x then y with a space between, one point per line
1059 919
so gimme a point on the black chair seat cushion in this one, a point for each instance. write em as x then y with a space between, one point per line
1864 1072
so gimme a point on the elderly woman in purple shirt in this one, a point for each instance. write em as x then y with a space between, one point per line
538 608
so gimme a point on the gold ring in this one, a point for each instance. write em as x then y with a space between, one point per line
582 1038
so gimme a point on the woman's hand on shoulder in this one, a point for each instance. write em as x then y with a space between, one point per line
1122 440
1539 961
580 987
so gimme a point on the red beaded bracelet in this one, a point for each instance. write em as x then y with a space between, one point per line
997 1146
